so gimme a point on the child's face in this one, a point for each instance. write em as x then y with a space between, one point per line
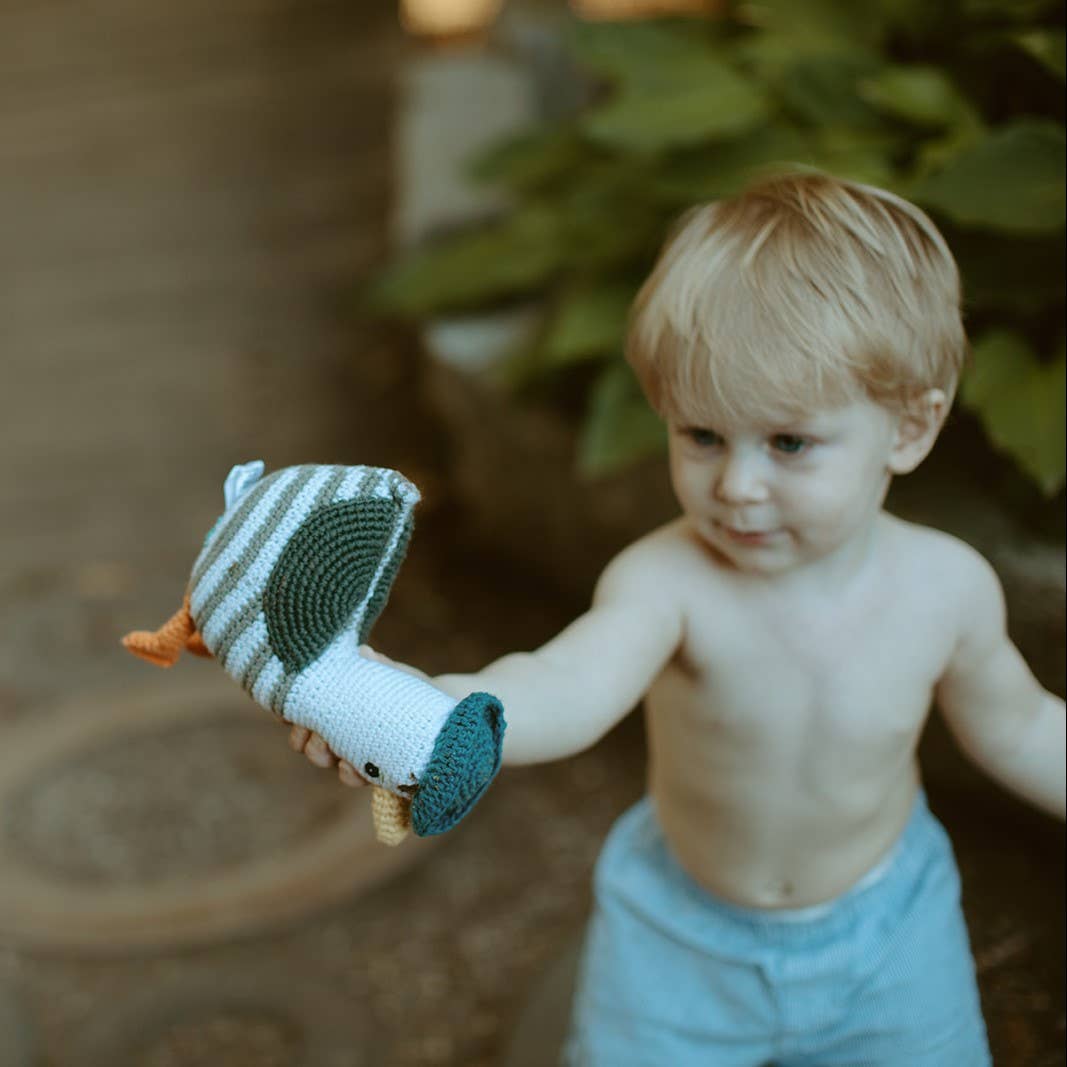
770 498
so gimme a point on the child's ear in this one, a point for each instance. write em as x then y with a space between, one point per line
916 431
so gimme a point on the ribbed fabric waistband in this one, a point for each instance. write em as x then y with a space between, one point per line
818 911
638 865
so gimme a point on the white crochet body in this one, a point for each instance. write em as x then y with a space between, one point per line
381 720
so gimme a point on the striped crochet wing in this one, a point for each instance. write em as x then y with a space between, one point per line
337 567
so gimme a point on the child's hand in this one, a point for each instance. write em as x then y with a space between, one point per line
301 739
314 747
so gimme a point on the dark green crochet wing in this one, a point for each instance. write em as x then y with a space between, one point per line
325 573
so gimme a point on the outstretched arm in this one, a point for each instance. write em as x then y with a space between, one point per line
1003 719
563 697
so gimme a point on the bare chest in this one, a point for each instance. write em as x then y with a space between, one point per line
811 688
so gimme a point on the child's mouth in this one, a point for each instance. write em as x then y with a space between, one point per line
745 537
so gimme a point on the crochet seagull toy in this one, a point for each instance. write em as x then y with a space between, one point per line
288 585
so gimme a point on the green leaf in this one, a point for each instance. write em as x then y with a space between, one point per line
856 155
1021 404
1020 10
531 159
724 168
609 219
824 90
697 102
1048 47
915 18
473 268
588 323
815 24
643 51
1012 179
673 86
769 57
935 153
620 426
923 95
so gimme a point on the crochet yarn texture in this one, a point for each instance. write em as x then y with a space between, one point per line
289 583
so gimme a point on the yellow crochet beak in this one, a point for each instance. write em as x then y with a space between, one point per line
392 816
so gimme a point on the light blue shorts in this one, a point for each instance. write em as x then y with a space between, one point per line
672 976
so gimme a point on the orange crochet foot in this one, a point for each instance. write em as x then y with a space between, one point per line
165 645
195 643
148 646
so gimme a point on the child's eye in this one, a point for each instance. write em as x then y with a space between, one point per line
790 444
703 438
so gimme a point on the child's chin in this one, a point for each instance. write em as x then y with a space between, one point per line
766 563
770 555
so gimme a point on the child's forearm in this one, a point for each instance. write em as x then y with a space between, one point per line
1033 765
563 697
546 714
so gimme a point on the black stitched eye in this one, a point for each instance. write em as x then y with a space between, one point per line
371 770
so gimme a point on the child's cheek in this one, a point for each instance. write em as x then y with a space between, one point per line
834 507
816 502
691 482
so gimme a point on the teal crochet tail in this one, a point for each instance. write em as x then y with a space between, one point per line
465 759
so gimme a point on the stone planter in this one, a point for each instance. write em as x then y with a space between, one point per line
513 468
99 861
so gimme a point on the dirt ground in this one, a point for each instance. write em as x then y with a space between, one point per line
189 195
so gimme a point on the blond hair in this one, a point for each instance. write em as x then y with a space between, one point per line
801 293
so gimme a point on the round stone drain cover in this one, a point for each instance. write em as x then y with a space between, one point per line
168 817
246 1038
15 1037
235 1021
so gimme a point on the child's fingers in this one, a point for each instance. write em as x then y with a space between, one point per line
301 739
347 773
319 752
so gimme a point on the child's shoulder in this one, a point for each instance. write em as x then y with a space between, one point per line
672 546
659 561
949 563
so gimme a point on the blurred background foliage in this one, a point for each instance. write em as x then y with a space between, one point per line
956 105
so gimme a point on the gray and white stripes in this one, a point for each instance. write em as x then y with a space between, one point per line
232 571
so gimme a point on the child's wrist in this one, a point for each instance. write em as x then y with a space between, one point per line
456 685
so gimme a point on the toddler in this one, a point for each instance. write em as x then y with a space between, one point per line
783 894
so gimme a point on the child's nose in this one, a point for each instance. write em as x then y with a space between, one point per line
740 480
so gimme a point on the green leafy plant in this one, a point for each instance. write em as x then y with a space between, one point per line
956 105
